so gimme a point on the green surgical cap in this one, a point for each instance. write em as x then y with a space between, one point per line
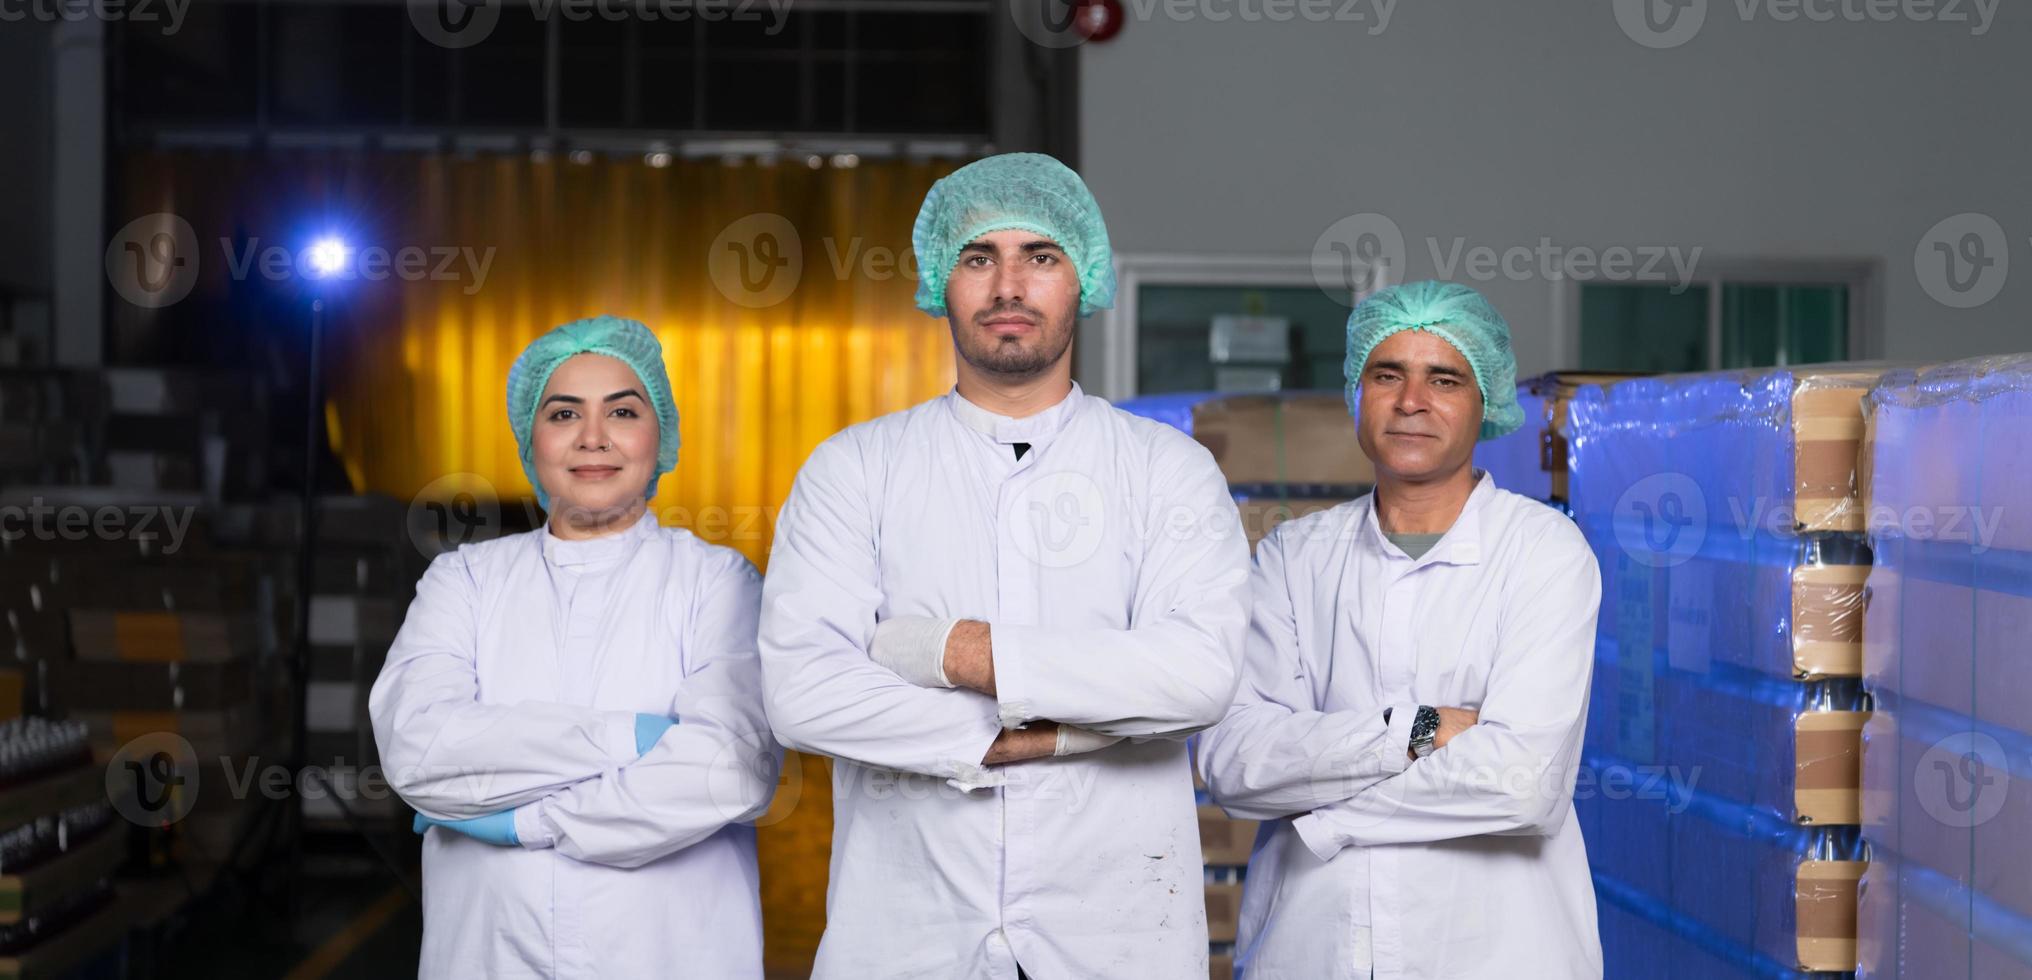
626 341
1026 191
1457 315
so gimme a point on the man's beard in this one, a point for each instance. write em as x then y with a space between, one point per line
1009 358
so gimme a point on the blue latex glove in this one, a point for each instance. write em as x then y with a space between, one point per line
494 828
649 728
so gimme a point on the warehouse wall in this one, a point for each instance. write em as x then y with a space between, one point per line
1506 123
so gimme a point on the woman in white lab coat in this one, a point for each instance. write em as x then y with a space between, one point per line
575 712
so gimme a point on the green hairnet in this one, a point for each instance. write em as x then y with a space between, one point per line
626 341
1027 191
1457 315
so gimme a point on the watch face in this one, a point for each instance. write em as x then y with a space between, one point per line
1425 726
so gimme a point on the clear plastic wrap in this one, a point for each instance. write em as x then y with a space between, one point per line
1692 886
1947 775
1516 461
1772 450
1724 511
1733 493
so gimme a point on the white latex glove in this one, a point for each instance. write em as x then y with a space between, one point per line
913 647
1073 741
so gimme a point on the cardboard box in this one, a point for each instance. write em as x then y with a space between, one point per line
1261 515
1555 393
1223 911
229 733
347 620
1299 438
1826 899
162 637
1223 840
1774 450
1828 768
102 685
335 706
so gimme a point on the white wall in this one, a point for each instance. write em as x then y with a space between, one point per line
1508 122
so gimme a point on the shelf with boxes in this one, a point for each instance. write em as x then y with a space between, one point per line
1722 774
1947 754
366 564
111 433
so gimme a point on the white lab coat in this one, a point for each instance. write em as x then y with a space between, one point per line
514 683
1465 864
1102 615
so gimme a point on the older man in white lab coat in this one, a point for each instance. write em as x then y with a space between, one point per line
1001 612
1411 710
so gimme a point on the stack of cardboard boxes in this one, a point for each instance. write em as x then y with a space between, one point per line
1284 455
365 572
1720 791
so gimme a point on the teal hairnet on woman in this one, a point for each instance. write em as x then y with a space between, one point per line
575 712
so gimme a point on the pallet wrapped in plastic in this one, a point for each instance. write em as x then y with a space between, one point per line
1734 492
1789 752
1691 886
1947 773
1722 509
1517 461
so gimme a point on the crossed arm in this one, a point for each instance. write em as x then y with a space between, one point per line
834 683
546 774
1346 777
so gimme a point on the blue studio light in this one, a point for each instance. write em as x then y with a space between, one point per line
328 257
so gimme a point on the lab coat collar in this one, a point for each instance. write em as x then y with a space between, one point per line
1462 543
1036 430
606 547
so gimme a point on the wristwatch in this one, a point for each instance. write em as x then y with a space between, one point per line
1423 727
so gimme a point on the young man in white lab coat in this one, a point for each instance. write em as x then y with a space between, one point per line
1411 710
1001 612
